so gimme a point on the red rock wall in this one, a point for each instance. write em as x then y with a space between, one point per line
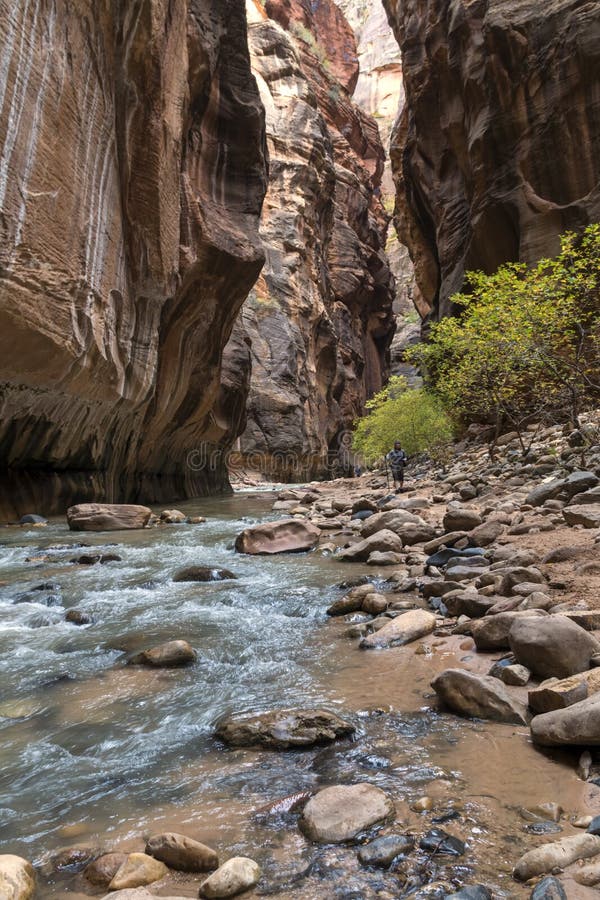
132 173
320 317
498 148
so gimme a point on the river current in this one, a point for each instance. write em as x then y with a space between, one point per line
96 752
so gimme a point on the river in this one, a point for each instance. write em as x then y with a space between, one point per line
95 752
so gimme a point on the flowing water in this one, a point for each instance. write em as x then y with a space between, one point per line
94 752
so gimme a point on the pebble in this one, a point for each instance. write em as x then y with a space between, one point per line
424 804
382 851
439 841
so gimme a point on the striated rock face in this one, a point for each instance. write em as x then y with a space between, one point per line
326 30
380 92
498 148
320 317
132 172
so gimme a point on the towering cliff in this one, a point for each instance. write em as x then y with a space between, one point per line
320 318
380 92
132 173
498 148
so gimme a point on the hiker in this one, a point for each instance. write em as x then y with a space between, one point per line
397 459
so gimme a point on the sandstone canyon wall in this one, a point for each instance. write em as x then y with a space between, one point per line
132 173
320 317
498 148
380 91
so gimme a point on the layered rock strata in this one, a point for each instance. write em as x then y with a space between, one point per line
132 173
498 148
380 92
320 317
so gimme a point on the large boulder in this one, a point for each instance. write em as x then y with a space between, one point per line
576 725
577 482
586 497
565 488
559 694
556 855
491 632
283 728
548 490
461 518
107 516
182 853
284 536
17 878
415 533
101 871
402 630
516 575
468 603
203 573
587 515
167 655
479 696
393 520
382 541
339 813
235 876
485 534
552 646
138 870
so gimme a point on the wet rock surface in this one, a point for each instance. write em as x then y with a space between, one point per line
107 516
182 853
339 813
285 536
171 653
17 878
234 877
479 696
283 729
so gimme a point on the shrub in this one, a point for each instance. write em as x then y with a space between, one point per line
526 342
413 416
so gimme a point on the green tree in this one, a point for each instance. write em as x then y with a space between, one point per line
413 416
526 342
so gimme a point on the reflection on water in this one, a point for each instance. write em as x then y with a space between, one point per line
95 752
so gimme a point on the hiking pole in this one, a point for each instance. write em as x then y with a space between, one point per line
387 473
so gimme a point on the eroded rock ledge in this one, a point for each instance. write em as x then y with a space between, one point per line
132 175
498 147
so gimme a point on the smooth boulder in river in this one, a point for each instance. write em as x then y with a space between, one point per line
556 855
283 728
339 813
479 696
107 516
182 853
17 878
235 876
577 725
408 627
167 655
284 536
552 646
138 870
203 573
